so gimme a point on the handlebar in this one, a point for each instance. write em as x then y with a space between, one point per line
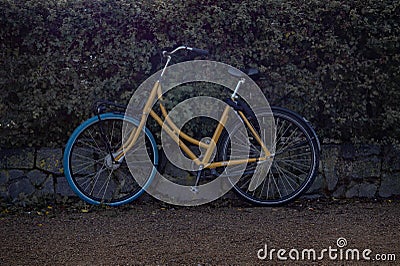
198 51
168 55
195 50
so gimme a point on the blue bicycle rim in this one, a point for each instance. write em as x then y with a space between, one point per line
79 130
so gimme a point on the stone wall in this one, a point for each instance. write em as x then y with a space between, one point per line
358 171
29 176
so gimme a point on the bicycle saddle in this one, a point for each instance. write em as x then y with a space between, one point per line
248 71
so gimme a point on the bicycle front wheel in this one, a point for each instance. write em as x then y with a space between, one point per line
294 165
89 166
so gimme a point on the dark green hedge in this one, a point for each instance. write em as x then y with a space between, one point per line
335 62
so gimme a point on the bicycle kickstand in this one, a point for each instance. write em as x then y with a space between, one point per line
195 188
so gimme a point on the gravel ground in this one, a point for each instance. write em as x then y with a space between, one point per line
222 233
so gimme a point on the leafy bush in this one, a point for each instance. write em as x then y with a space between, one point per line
335 62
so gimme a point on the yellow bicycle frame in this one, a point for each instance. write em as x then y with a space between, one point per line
177 135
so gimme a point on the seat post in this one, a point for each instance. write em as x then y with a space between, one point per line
240 82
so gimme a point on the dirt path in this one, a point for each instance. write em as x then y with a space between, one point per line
155 234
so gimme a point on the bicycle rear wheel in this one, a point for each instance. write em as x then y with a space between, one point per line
88 163
294 165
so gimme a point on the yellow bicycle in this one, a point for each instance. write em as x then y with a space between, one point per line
95 157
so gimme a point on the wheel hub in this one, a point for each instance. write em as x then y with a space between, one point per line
110 163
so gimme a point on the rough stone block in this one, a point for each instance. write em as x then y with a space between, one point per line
317 186
367 190
4 177
366 168
47 188
63 188
363 190
345 169
16 174
17 158
391 159
352 191
390 185
350 151
329 162
50 160
367 150
36 177
22 185
4 195
340 192
347 151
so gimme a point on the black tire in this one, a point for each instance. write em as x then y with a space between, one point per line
294 165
